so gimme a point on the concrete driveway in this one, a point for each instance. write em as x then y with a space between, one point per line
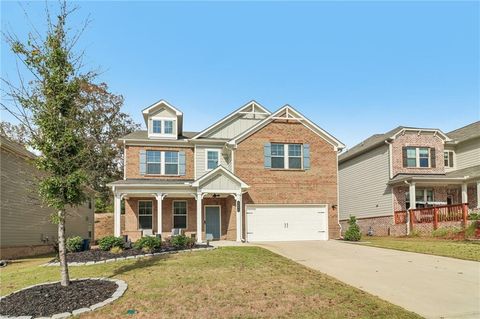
431 286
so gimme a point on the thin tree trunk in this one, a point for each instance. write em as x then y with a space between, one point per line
62 252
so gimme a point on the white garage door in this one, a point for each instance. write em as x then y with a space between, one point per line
286 222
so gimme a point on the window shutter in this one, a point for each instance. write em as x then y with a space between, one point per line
433 163
143 162
267 155
404 156
306 156
450 158
181 163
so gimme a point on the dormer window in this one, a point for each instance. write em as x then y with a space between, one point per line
157 126
162 127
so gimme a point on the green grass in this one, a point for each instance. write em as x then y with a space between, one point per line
230 282
468 250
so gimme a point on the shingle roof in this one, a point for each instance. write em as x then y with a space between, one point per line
471 172
143 135
465 133
15 147
368 144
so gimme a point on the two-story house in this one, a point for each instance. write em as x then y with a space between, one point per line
254 175
409 168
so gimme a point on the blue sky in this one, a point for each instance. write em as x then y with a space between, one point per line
354 68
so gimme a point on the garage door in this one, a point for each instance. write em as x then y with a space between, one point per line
286 222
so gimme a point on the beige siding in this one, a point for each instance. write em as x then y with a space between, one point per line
200 159
234 128
164 113
23 219
467 154
220 182
363 185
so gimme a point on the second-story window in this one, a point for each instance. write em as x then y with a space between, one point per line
448 158
212 159
154 164
171 163
278 155
417 157
157 126
168 127
295 156
287 156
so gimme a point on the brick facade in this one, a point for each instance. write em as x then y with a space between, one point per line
380 225
417 140
278 186
132 167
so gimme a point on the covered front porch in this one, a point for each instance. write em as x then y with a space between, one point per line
206 209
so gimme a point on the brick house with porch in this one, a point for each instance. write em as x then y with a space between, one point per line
426 170
254 175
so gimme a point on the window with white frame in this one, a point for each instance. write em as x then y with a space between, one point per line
448 158
157 126
154 163
417 157
288 156
171 163
180 214
161 126
212 159
423 197
145 209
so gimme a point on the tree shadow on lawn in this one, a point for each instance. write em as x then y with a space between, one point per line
140 263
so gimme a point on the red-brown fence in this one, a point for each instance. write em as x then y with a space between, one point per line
445 213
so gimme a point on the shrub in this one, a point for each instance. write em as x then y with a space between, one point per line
446 232
148 244
414 233
106 243
353 232
116 250
74 244
471 229
474 216
179 241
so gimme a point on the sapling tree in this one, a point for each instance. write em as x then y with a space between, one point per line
54 118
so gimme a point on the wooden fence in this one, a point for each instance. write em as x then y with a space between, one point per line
435 215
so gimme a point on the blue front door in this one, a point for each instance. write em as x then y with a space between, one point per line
212 221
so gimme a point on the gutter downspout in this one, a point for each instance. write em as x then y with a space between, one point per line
338 196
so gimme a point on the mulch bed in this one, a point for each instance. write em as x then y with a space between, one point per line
50 299
98 255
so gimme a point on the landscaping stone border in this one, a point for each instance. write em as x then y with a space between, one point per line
88 263
122 287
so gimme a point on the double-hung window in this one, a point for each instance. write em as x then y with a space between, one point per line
171 163
278 155
145 214
423 197
287 156
168 127
180 214
212 159
157 126
417 157
154 164
448 158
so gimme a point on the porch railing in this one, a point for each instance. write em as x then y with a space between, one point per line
436 214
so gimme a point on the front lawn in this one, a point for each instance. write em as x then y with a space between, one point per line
230 282
468 250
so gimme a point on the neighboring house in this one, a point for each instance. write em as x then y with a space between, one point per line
25 224
408 168
253 175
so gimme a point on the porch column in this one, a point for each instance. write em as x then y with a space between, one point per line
117 207
238 209
159 197
464 193
478 194
199 217
413 198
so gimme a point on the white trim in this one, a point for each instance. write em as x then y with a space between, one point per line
453 158
138 213
231 115
162 133
218 151
478 194
303 120
417 156
149 108
219 215
219 191
162 163
173 212
197 182
419 131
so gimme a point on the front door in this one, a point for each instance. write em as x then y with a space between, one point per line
212 221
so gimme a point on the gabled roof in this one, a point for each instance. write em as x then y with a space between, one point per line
143 135
15 147
465 133
158 105
214 172
248 107
287 112
379 139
